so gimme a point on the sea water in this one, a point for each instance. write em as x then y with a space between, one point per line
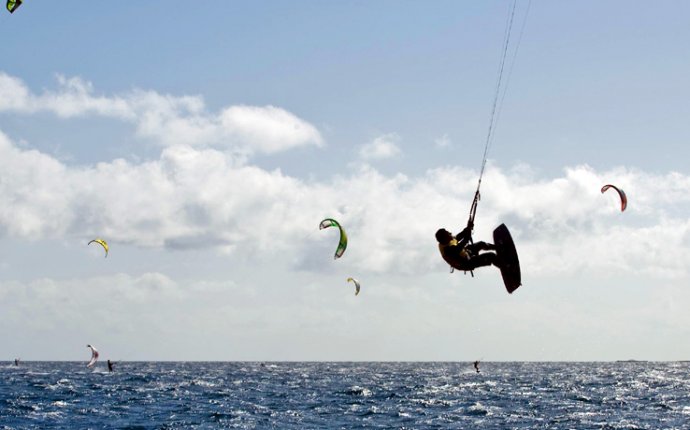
342 395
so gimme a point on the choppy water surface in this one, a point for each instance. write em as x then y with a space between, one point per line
630 395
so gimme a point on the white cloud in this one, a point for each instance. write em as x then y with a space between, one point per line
14 95
574 243
269 128
168 120
381 147
132 312
153 316
197 198
443 142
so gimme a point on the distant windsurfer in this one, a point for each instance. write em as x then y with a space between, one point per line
462 254
476 366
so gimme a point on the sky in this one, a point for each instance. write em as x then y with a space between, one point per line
205 143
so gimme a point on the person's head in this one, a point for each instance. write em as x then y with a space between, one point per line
443 236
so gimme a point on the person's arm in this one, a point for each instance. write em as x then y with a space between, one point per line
465 235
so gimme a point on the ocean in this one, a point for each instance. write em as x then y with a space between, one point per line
344 395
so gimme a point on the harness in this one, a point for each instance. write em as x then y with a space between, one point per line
470 221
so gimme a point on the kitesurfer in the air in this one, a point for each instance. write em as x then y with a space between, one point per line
462 254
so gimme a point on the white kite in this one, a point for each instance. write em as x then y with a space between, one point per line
94 356
356 282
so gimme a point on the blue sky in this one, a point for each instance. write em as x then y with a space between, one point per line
206 142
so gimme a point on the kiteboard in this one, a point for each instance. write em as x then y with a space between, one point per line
505 249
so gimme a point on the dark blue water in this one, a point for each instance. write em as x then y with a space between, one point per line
630 395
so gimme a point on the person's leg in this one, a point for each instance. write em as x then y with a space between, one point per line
486 259
481 246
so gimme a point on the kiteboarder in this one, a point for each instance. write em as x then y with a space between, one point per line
16 362
110 366
476 365
462 254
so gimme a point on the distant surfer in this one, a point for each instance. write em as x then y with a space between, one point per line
16 361
462 254
110 366
476 365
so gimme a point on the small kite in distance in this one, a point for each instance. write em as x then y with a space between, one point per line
12 5
342 244
94 356
356 282
102 242
624 199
